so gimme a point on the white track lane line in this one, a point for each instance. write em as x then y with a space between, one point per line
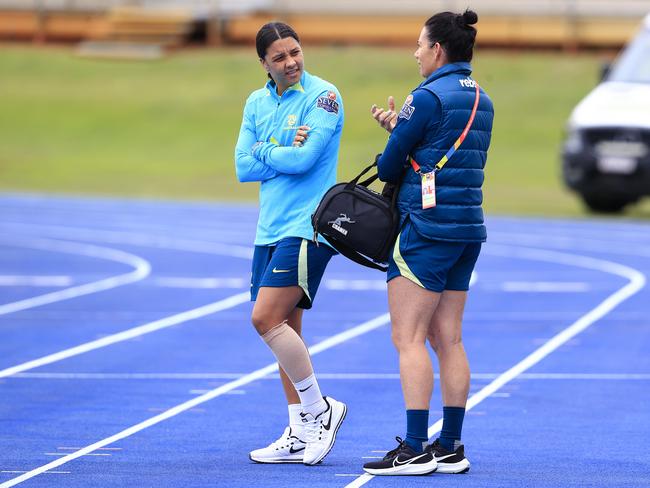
636 282
42 281
136 239
222 232
321 375
233 385
545 286
588 244
368 285
200 283
179 318
49 472
141 271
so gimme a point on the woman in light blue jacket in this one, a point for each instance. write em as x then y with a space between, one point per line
289 142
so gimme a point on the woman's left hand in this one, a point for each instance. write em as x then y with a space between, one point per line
301 135
386 118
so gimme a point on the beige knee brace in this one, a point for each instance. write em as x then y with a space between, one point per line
290 351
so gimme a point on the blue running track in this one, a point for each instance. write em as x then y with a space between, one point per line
127 357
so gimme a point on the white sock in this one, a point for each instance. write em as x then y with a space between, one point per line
294 420
311 398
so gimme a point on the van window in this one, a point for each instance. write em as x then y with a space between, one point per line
634 64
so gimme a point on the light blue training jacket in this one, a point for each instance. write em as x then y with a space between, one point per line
293 179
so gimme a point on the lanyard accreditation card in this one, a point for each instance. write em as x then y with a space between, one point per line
428 189
429 179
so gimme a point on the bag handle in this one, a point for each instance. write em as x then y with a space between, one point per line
368 181
356 179
459 141
353 255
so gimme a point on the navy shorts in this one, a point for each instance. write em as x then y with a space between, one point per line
433 265
292 261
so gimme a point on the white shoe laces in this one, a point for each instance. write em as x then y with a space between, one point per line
313 426
312 430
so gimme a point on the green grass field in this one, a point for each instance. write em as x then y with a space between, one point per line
167 129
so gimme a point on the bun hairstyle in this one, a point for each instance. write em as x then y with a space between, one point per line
455 34
271 32
468 17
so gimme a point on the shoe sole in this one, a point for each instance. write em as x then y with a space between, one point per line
406 470
336 430
275 461
454 468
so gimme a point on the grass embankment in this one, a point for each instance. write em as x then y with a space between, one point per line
167 129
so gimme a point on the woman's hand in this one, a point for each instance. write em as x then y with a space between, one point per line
301 135
386 118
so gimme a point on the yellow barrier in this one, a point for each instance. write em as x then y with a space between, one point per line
504 31
26 25
166 27
138 24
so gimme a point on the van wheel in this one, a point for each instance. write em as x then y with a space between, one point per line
605 204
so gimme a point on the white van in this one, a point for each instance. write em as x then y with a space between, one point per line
606 154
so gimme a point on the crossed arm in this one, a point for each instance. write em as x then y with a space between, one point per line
261 161
248 167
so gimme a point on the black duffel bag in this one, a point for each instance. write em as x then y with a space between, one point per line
358 222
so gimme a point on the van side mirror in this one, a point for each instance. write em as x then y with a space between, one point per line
605 68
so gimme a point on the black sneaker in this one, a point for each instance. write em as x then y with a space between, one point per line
452 462
403 461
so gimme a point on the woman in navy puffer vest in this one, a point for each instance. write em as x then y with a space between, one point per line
440 239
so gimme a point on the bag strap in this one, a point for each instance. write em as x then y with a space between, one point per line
356 179
368 181
353 255
459 141
374 177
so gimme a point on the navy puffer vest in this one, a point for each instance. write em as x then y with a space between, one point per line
458 215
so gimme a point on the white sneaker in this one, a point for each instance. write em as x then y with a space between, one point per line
320 431
287 449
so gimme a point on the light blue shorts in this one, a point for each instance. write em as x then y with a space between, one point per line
433 265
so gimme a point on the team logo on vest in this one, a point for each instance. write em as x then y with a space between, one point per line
407 109
328 103
336 223
467 83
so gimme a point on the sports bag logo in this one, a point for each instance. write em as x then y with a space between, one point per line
370 219
336 223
